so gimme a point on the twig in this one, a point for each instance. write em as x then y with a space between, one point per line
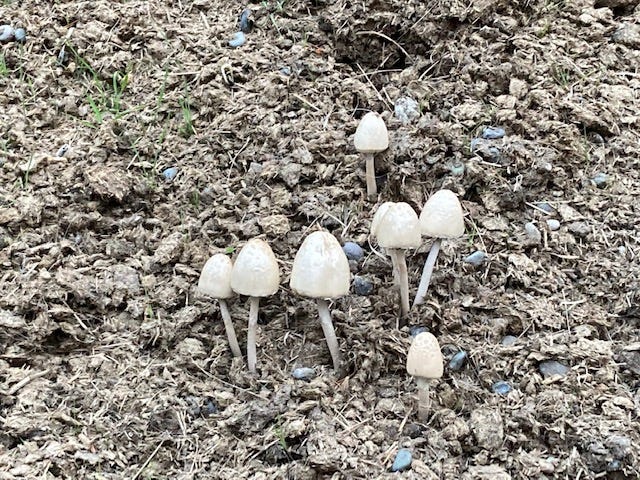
148 460
26 380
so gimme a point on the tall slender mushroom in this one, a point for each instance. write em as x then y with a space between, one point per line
255 274
321 271
371 137
396 227
215 281
424 363
441 217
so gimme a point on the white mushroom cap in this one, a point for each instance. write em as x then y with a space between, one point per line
215 278
371 135
396 225
255 272
320 269
424 359
442 216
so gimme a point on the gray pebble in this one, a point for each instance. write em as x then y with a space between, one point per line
458 361
62 151
493 133
501 388
477 144
170 173
286 71
456 169
553 224
303 373
551 368
210 408
533 234
595 138
362 286
245 22
6 33
237 40
415 331
406 109
353 251
579 229
20 35
476 258
545 207
614 465
600 179
509 340
402 461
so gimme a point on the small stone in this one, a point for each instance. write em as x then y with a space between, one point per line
193 407
6 33
596 138
553 224
402 461
209 409
237 40
614 466
412 430
245 23
600 179
627 34
551 368
406 109
545 207
476 259
533 234
303 373
476 144
501 388
579 229
362 286
493 133
458 361
509 340
286 71
415 331
170 173
456 169
353 251
20 35
62 151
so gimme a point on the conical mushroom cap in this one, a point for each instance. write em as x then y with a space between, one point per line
255 272
442 216
396 225
371 135
215 278
424 359
320 269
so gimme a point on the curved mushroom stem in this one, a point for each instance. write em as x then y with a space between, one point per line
372 190
251 333
402 279
329 332
426 272
424 400
228 326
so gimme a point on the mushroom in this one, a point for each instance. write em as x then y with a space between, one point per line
396 227
255 274
321 271
441 218
371 137
424 363
215 281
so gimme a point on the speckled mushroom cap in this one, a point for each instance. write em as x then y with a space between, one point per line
371 135
255 272
320 268
424 359
442 216
215 278
396 225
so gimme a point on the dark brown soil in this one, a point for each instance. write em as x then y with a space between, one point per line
111 364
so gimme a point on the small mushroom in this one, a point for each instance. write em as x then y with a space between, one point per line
321 271
441 218
396 227
255 274
424 363
371 137
215 281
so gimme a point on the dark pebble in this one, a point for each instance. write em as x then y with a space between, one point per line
303 373
402 461
551 368
415 331
353 251
209 409
493 133
362 286
501 388
412 430
458 361
477 258
245 23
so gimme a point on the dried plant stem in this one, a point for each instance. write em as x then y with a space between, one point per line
402 279
370 172
329 332
228 326
424 400
251 333
427 272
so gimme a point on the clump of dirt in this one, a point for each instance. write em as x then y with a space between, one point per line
112 365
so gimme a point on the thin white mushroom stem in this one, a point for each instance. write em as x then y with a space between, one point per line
402 280
424 400
228 326
254 303
370 172
329 332
427 272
